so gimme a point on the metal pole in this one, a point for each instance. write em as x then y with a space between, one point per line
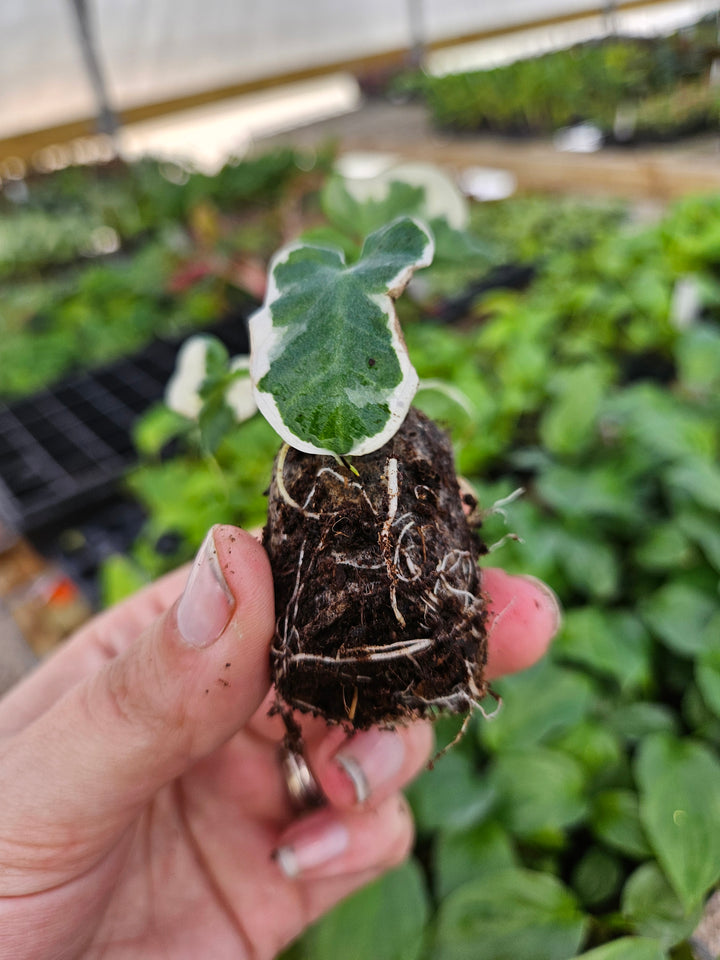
107 121
416 22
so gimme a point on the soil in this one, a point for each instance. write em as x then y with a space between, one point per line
380 613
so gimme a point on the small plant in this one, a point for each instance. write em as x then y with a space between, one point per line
380 617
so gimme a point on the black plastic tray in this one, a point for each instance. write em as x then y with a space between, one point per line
68 446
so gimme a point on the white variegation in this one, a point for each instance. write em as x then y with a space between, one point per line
182 393
267 341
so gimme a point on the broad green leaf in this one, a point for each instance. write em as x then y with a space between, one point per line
482 851
329 364
540 792
679 614
591 565
627 948
451 796
568 424
513 915
384 921
654 910
694 522
603 491
634 721
679 784
614 643
707 671
597 877
592 744
699 479
358 215
661 423
615 819
537 703
665 547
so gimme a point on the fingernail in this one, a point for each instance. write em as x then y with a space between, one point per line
314 845
207 604
551 601
372 759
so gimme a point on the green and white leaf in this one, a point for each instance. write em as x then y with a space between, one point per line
329 364
201 367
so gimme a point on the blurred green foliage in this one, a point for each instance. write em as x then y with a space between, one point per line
631 88
95 262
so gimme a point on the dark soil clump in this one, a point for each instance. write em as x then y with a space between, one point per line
380 616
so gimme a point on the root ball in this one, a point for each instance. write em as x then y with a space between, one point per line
380 616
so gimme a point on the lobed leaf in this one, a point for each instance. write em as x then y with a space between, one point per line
329 365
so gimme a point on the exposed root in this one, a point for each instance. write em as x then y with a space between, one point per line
393 490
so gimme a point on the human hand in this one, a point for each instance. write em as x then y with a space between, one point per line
144 812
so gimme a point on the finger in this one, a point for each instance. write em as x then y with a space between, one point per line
331 844
91 647
524 616
87 765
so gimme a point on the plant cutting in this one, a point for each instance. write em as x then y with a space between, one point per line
380 618
380 614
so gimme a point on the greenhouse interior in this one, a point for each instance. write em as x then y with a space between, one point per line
209 218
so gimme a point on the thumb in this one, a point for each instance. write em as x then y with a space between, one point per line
192 679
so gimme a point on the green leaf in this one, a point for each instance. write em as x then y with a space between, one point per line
482 851
329 365
536 704
634 721
568 424
665 547
540 792
590 565
597 877
707 671
119 578
614 643
680 614
654 910
593 745
694 523
615 819
697 478
513 915
384 921
627 948
679 783
452 795
358 215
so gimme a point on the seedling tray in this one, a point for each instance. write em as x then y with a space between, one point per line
68 446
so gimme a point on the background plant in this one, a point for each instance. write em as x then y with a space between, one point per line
632 88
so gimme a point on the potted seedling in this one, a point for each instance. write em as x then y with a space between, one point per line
380 614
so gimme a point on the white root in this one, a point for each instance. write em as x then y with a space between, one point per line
392 651
503 540
393 488
282 489
499 505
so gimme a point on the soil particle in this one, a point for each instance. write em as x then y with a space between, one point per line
380 615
